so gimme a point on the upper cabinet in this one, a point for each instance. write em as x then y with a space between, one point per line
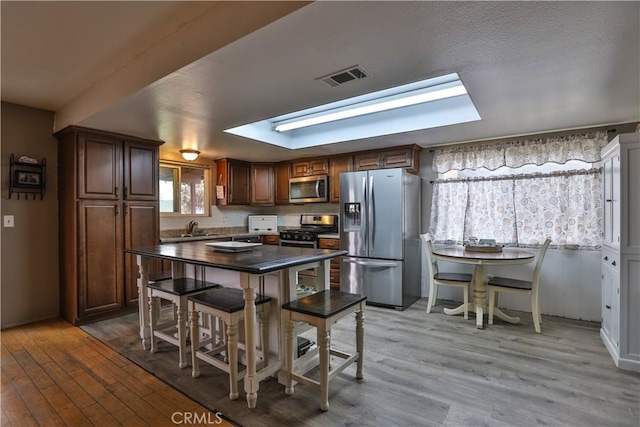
236 181
282 175
262 188
310 167
407 157
337 165
113 169
140 171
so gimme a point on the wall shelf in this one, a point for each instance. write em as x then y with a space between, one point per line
27 178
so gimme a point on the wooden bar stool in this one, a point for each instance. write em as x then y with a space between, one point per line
226 304
322 310
176 291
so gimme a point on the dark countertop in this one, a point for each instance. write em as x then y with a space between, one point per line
262 259
200 237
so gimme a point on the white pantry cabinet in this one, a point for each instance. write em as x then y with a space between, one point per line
620 329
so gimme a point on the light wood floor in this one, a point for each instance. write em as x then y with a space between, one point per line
54 374
428 370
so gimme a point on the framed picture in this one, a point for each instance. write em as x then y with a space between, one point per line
28 179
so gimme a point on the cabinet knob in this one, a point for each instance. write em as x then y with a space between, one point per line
613 263
609 200
606 258
608 307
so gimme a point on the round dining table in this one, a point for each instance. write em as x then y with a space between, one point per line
508 256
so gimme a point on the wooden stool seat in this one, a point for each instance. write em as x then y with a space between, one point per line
322 310
177 291
226 304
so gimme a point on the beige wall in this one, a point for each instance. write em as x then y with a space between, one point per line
29 288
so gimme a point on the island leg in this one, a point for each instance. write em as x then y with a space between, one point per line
249 283
143 300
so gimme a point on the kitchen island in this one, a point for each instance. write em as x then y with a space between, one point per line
251 267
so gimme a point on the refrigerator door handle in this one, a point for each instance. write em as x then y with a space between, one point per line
370 263
372 209
366 212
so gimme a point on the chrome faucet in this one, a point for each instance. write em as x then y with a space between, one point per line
192 226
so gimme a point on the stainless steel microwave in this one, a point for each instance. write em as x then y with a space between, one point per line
309 189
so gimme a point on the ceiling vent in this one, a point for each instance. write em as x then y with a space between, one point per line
352 73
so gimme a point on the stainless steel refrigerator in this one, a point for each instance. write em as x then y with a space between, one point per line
380 229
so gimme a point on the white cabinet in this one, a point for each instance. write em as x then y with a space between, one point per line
620 330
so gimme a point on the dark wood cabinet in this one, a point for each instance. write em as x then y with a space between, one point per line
334 271
407 157
236 178
270 239
282 175
100 279
99 167
140 171
139 219
337 165
310 167
107 200
262 188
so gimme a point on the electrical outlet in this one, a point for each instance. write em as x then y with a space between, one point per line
8 221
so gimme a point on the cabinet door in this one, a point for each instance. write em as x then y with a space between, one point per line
400 158
616 203
300 169
283 173
611 184
100 282
140 171
366 161
99 167
262 184
607 281
337 165
239 182
318 167
141 228
310 167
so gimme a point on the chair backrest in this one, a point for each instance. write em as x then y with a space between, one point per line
428 248
538 268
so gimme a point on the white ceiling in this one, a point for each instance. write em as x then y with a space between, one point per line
185 71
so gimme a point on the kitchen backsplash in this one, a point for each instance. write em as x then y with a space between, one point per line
237 216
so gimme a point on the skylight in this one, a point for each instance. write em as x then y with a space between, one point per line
426 104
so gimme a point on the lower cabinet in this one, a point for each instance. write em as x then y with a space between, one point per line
334 272
141 228
270 239
107 277
100 278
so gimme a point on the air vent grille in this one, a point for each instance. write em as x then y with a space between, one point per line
349 74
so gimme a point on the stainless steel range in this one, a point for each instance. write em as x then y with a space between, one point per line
311 226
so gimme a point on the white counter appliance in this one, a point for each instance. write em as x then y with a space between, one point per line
263 224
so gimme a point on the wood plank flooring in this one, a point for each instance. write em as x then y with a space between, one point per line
54 374
428 370
420 370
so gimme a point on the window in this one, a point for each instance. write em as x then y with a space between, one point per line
184 189
520 205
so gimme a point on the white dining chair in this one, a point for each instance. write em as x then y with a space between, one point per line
505 284
436 278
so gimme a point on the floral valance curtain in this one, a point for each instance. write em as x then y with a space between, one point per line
520 210
514 154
